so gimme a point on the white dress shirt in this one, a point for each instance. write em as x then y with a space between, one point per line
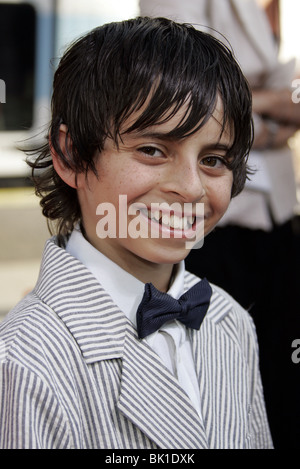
171 342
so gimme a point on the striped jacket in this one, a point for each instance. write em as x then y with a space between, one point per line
75 375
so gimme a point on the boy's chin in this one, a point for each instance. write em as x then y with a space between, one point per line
166 256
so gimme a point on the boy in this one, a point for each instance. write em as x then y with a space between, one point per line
144 112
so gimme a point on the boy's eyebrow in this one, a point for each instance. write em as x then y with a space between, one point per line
154 134
218 145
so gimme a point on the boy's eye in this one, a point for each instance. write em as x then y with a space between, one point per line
150 151
213 161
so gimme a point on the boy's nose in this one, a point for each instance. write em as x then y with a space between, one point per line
187 182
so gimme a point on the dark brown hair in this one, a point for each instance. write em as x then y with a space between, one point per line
109 73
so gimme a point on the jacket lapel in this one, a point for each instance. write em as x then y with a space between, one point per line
153 400
87 310
223 374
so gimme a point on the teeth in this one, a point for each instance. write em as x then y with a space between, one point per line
177 222
156 215
172 221
185 223
165 220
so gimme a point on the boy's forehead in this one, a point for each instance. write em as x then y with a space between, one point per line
173 119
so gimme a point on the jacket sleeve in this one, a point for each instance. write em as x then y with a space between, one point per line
258 427
259 431
30 415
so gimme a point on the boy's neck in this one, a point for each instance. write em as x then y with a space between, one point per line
160 275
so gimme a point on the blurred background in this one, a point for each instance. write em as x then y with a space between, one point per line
33 35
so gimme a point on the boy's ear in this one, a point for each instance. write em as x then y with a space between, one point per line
67 174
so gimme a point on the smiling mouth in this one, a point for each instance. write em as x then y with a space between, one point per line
172 221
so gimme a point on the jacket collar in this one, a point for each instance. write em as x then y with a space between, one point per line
75 295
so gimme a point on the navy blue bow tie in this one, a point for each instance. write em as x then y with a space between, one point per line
156 308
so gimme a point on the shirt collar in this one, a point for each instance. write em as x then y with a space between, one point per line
125 290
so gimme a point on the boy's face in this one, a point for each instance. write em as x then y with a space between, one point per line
146 168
